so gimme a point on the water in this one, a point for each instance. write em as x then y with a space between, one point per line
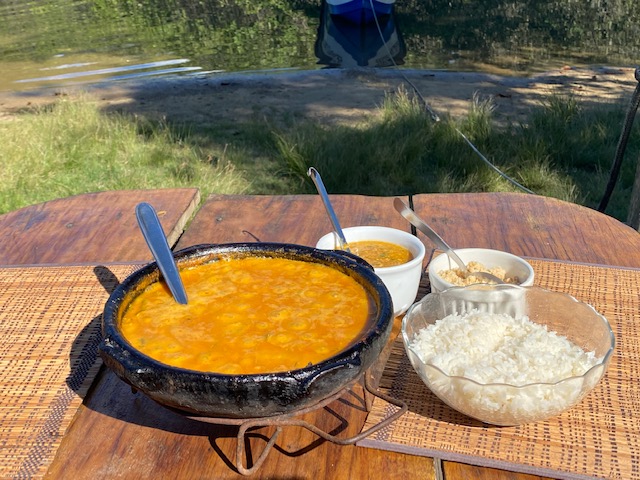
62 42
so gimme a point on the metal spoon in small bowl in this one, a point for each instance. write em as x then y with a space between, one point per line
159 246
421 225
317 180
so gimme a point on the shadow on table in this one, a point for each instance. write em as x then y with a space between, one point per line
113 398
83 357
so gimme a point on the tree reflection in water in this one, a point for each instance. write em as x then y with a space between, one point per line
511 37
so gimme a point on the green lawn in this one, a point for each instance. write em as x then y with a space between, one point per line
564 151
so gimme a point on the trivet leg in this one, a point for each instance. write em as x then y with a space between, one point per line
240 451
368 395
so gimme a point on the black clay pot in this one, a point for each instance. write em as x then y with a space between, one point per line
245 396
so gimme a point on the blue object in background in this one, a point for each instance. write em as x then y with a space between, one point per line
360 11
344 43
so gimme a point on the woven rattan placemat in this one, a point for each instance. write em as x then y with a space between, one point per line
599 438
49 334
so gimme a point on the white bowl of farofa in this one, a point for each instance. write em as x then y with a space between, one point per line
444 273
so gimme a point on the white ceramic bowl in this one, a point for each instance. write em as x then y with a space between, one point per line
402 281
509 403
512 264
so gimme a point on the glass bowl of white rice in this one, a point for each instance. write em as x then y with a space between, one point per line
506 354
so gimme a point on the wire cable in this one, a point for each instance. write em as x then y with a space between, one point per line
434 116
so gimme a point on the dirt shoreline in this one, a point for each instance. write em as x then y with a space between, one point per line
332 96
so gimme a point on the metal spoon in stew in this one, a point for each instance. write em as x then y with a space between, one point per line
317 180
159 246
421 225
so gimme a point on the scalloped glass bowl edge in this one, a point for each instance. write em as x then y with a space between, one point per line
500 403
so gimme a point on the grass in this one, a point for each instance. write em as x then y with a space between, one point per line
564 151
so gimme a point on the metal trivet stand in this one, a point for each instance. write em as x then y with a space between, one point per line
290 419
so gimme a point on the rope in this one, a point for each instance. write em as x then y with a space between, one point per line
434 115
622 145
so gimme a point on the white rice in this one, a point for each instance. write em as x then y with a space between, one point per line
492 348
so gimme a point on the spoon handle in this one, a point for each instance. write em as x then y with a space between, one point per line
157 243
317 180
417 222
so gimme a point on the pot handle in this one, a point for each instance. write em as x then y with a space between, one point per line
308 383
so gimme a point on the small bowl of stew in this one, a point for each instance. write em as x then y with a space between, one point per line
395 255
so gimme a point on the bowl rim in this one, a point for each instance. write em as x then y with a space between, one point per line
418 259
602 363
112 332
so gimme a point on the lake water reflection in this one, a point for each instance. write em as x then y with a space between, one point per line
48 43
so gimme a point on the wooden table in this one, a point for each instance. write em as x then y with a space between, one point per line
118 434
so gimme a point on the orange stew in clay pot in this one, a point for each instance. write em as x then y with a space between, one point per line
309 321
249 315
